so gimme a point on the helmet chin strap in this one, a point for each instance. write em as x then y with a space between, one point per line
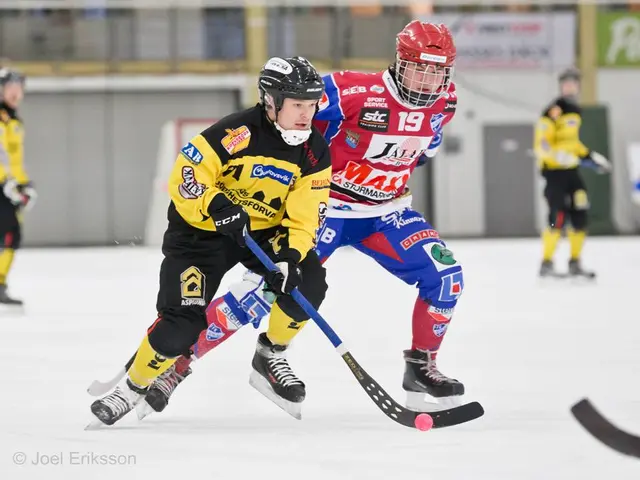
293 137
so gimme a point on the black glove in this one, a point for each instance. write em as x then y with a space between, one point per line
231 220
285 279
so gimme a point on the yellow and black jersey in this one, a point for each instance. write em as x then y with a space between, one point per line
242 159
557 144
11 146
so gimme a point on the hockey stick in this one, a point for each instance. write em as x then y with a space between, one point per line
603 430
391 408
98 388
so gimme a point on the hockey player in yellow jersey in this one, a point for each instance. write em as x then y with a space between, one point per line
559 152
266 168
17 192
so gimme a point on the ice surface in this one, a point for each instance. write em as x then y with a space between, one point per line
526 350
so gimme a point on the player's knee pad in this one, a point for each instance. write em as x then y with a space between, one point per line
443 290
442 283
580 200
579 219
314 288
177 329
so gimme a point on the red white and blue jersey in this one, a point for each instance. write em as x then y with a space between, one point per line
376 139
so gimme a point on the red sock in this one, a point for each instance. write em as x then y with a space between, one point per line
429 325
182 364
216 332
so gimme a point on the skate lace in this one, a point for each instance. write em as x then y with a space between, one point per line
117 402
282 371
168 381
433 373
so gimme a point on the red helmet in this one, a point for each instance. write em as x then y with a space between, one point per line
425 54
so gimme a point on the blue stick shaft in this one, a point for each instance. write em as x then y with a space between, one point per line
297 296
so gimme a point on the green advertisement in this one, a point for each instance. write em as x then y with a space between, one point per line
595 135
619 39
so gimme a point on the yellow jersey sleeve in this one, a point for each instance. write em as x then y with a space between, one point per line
12 150
16 152
193 178
544 139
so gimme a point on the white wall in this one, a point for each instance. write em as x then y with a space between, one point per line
619 89
483 98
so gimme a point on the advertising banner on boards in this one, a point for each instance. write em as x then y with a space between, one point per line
512 40
619 39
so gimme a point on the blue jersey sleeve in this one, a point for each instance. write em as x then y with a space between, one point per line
434 145
431 150
330 104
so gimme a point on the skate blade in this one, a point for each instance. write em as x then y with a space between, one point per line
549 277
13 309
567 276
143 410
582 279
95 424
261 384
416 402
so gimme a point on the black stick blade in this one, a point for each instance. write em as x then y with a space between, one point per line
603 430
404 416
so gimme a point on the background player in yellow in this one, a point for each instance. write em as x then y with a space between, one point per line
559 152
266 168
17 192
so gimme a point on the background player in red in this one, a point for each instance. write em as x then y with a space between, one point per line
379 126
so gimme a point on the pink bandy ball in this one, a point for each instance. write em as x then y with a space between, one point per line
424 422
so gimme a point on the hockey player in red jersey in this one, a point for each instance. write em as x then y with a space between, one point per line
379 126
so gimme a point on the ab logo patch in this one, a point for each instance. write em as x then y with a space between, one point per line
191 153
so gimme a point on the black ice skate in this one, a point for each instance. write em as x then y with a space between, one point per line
272 376
117 404
5 299
421 376
576 270
157 398
547 270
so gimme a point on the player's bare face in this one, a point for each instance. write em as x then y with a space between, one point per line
297 114
570 88
12 94
423 78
